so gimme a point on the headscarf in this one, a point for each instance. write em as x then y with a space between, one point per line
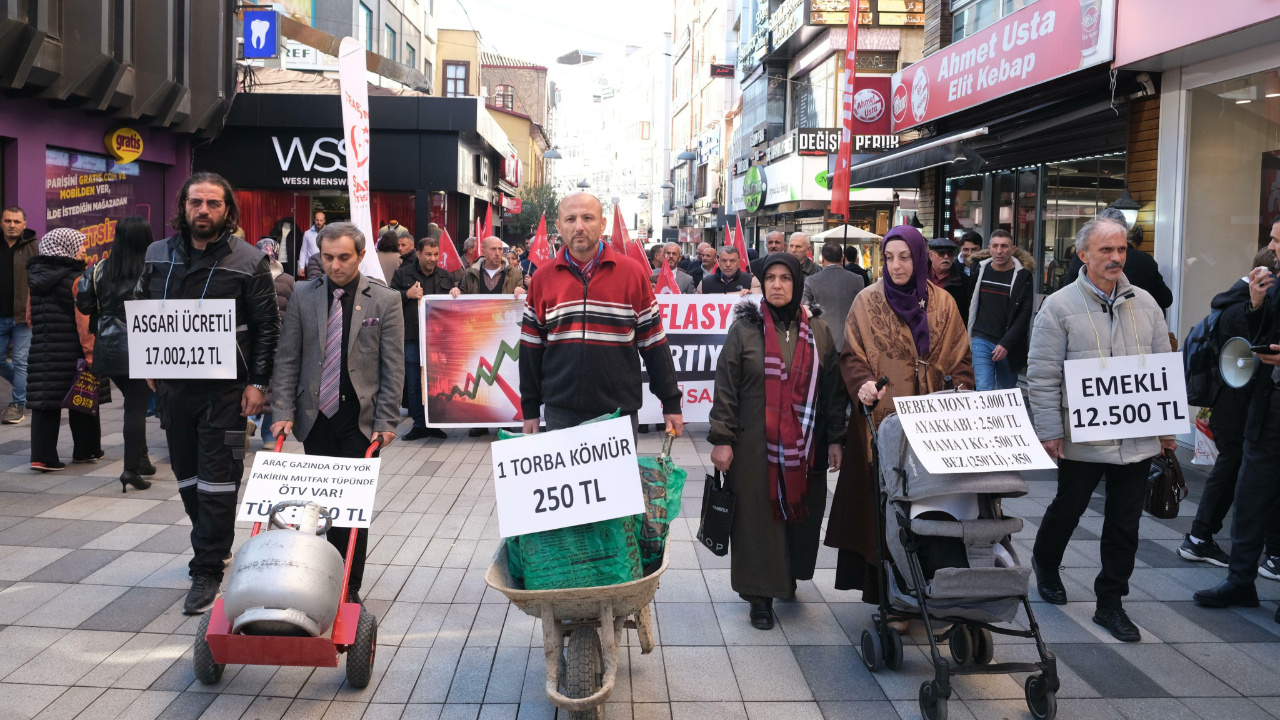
787 312
62 242
269 247
910 301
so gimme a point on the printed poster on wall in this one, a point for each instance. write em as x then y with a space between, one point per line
470 356
90 193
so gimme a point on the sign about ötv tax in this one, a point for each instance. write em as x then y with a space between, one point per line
1126 397
345 487
972 432
182 339
566 477
696 326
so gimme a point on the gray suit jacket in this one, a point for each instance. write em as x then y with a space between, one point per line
375 356
834 289
684 281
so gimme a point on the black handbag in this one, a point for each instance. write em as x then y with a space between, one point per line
1165 487
717 515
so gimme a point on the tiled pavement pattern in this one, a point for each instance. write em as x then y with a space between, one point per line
91 587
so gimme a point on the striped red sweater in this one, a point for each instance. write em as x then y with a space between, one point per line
581 341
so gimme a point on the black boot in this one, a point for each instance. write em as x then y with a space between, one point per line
129 477
1227 594
145 468
762 615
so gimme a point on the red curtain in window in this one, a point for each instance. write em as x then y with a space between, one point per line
260 209
387 206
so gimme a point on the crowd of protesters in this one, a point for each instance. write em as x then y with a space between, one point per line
815 339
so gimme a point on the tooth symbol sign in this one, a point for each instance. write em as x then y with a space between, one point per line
258 30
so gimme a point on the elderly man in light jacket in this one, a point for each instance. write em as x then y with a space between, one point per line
1099 315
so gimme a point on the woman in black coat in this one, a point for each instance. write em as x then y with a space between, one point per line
56 348
103 290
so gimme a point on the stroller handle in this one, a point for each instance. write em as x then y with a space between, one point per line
866 409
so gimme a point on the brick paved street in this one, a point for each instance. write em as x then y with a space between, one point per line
92 581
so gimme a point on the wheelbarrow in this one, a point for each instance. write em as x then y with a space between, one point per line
594 618
354 632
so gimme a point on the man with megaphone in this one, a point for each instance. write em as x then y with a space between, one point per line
1258 486
1233 389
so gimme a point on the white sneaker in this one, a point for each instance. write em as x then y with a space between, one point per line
1270 568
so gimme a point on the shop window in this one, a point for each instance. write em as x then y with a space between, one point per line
456 80
972 16
1074 193
1015 212
505 97
1232 185
410 56
364 26
813 97
965 200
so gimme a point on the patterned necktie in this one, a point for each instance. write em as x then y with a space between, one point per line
332 358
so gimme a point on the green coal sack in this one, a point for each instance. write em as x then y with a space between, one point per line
590 555
663 486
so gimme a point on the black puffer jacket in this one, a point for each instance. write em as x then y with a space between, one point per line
229 269
55 341
102 299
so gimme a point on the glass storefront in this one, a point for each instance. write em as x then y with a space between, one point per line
1232 185
1041 206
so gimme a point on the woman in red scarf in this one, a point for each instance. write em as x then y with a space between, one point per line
777 425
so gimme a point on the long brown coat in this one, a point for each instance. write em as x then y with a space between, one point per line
770 555
878 342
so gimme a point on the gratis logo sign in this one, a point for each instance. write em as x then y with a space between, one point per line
261 34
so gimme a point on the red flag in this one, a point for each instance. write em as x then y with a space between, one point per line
635 251
488 225
740 241
667 281
840 182
618 236
449 259
540 249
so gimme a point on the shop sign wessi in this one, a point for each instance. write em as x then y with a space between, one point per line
753 189
124 144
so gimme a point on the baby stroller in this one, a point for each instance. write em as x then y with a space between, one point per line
962 572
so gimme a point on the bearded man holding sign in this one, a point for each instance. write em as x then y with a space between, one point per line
1100 315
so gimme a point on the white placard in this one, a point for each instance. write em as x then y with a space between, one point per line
181 339
566 477
972 432
344 487
1123 397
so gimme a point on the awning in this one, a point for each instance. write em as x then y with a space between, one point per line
913 158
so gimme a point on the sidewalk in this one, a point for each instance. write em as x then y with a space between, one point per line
92 581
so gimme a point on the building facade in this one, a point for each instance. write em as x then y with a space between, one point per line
518 97
458 69
110 116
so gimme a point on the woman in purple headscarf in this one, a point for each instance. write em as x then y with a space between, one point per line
907 329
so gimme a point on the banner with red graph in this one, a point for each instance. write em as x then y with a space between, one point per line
470 354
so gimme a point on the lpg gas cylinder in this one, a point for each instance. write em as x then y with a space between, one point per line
286 581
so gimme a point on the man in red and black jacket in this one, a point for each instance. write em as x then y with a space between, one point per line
588 318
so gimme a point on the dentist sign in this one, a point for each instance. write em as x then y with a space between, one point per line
261 34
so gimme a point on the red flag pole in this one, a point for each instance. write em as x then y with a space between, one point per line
840 182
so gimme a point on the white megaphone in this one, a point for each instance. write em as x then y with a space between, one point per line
1236 362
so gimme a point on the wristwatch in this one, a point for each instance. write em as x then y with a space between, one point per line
260 388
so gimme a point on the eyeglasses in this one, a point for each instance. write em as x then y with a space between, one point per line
195 203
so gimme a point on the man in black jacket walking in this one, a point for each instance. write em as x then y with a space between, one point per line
205 419
728 276
413 281
1000 314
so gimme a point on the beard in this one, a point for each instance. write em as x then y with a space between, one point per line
214 231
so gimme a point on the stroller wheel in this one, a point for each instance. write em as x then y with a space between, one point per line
1041 701
932 705
892 643
872 651
983 646
961 643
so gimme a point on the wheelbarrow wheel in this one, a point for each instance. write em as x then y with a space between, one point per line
582 670
207 671
360 655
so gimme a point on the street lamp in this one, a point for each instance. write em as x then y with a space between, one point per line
1128 206
552 154
584 184
687 155
667 186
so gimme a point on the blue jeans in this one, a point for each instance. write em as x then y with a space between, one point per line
987 373
413 381
18 337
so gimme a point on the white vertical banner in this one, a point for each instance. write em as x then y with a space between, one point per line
355 130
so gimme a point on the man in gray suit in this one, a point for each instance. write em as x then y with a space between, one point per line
833 288
671 253
337 408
